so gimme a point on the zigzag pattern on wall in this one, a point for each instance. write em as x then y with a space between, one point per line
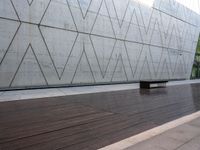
67 42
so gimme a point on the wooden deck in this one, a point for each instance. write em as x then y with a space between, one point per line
91 121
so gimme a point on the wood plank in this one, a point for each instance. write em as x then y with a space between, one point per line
91 121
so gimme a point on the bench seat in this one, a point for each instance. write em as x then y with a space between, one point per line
147 84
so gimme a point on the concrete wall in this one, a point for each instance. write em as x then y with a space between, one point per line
67 42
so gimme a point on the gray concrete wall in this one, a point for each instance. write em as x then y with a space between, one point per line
67 42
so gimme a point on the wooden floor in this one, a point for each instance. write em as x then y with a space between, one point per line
91 121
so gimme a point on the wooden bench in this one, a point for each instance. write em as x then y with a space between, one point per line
152 84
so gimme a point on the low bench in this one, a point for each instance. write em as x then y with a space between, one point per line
152 84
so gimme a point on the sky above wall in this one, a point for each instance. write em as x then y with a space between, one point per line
194 5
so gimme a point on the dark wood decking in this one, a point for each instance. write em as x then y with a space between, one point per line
91 121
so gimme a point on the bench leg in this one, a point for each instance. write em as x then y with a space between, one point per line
144 85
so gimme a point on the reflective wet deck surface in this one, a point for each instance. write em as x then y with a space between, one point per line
91 121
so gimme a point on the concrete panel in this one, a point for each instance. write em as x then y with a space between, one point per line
67 42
